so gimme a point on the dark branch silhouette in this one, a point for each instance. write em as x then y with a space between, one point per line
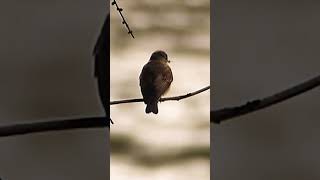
174 98
217 116
224 114
123 20
90 122
53 125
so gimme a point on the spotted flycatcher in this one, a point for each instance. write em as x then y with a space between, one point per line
155 80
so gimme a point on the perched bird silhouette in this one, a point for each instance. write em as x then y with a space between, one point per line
155 80
101 53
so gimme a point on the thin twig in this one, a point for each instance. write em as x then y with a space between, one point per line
123 20
174 98
224 114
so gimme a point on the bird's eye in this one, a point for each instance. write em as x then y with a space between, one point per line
165 56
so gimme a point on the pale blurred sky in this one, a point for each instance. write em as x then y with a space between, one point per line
161 146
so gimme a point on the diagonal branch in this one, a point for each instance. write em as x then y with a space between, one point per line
123 20
174 98
224 114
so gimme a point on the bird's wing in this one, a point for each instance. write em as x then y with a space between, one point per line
146 83
163 80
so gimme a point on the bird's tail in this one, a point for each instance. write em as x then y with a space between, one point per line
153 107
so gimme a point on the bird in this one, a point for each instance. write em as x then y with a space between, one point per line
155 80
101 53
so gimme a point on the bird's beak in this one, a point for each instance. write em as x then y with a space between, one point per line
168 61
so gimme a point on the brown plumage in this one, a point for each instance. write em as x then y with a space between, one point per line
155 80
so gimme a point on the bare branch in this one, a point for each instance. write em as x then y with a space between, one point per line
123 20
91 122
174 98
217 115
224 114
53 125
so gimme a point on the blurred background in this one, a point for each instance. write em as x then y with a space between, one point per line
174 144
262 47
46 73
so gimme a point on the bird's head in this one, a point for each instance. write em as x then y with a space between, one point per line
159 56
